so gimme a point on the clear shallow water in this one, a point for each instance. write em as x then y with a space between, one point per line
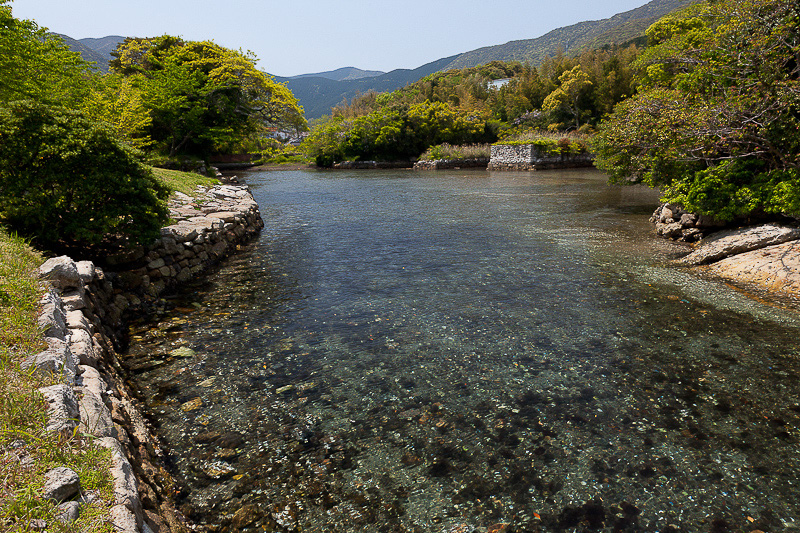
452 351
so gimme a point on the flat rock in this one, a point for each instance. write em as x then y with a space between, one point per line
775 268
61 484
728 243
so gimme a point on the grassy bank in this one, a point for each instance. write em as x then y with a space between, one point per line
185 182
27 451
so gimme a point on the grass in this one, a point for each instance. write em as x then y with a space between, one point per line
27 452
447 151
185 182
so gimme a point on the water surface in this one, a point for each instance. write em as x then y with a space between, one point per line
467 351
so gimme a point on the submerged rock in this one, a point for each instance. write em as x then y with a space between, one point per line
192 405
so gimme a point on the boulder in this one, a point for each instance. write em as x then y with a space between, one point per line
95 416
61 272
86 271
61 484
52 319
57 359
125 492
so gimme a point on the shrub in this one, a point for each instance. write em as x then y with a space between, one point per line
447 151
65 179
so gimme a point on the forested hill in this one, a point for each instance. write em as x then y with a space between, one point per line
318 95
619 29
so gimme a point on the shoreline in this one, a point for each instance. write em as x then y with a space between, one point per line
84 314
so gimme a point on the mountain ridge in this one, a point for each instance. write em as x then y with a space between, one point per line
342 74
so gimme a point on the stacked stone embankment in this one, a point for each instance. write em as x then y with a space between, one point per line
444 164
531 157
82 318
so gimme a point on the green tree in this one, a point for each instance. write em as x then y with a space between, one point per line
36 65
573 85
716 122
65 178
201 96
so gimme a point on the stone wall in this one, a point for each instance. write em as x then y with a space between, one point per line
82 318
530 157
442 164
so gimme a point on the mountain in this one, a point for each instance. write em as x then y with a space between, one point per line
343 74
97 50
318 95
104 45
619 29
86 53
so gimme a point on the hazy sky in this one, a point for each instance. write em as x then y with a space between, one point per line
300 36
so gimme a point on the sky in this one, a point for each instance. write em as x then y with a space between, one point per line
292 37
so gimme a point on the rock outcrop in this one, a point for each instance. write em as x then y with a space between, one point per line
731 242
775 268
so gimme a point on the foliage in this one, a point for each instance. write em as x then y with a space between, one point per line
460 106
63 177
400 132
573 86
717 122
549 142
202 97
448 151
563 93
119 105
36 65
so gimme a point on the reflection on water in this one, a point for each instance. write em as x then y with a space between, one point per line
459 352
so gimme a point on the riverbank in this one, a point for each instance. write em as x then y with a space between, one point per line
762 258
83 316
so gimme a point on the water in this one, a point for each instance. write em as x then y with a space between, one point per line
471 351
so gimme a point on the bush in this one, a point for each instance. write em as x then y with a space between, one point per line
447 151
65 179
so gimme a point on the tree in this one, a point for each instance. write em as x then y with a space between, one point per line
572 86
65 178
202 96
37 65
716 122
